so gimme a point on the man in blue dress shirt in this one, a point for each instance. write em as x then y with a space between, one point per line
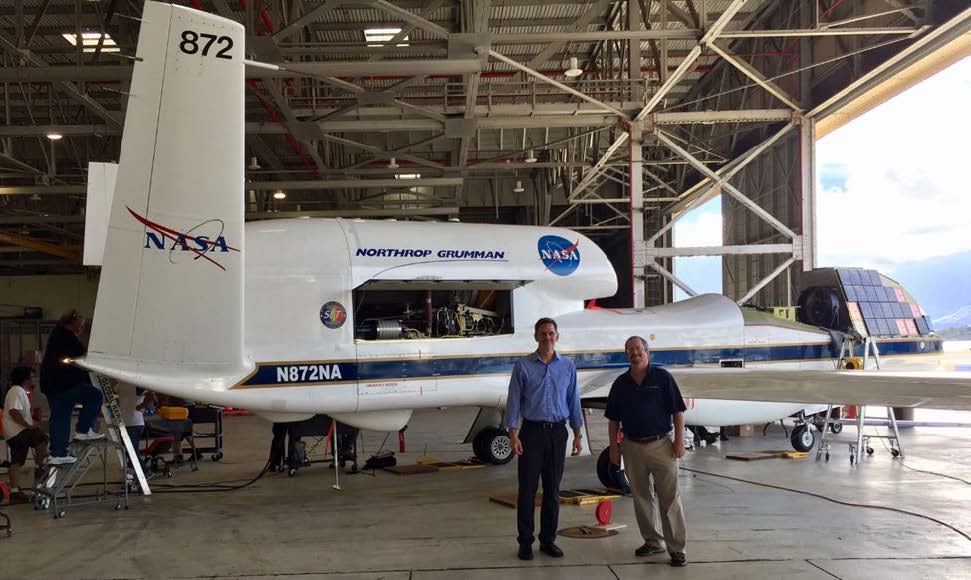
543 393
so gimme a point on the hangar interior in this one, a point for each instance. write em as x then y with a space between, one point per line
614 118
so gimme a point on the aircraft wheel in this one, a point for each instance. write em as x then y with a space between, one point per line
217 456
611 475
836 428
869 450
802 438
498 447
895 452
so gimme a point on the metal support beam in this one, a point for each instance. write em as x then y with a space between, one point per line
726 186
635 190
557 84
356 212
355 184
411 18
596 36
800 32
72 90
807 169
71 253
42 189
582 23
749 250
751 72
673 279
307 18
726 172
772 276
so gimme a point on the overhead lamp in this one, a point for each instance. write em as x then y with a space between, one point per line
574 70
90 41
54 136
279 194
377 37
254 164
392 164
531 158
519 187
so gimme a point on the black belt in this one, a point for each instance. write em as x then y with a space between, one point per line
647 439
542 424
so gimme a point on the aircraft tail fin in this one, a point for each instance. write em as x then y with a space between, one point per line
171 288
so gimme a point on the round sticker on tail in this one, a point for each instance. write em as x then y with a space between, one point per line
559 255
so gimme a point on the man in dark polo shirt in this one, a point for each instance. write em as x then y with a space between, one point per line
645 402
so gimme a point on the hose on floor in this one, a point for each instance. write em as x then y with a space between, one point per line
832 500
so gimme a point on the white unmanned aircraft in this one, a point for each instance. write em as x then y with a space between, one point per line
368 320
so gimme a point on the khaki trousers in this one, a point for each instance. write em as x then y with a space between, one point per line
642 462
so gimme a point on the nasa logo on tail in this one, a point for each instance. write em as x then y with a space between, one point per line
198 241
559 255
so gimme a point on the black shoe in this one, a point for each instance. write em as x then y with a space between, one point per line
678 559
648 549
551 550
525 552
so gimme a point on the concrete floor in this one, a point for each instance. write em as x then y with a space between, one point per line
442 525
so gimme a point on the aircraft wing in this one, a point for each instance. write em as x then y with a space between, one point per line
937 390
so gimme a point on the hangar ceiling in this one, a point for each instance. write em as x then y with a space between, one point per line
431 109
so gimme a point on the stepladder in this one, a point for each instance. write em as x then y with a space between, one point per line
59 487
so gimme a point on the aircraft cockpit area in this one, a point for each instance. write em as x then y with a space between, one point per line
428 289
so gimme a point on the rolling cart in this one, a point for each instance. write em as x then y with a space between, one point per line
205 415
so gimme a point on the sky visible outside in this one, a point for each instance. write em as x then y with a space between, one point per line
893 186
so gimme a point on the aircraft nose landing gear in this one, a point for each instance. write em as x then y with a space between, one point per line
802 438
492 445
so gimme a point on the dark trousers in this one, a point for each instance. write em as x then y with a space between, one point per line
62 405
135 435
544 451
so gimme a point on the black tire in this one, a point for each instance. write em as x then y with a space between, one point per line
492 445
869 450
802 438
498 447
835 428
479 443
895 452
611 476
217 456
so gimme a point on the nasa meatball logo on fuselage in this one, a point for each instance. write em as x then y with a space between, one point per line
559 255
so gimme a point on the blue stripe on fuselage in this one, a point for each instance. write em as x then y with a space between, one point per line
267 374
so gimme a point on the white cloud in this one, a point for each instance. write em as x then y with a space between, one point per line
905 194
701 227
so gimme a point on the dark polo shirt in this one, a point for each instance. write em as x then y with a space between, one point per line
645 410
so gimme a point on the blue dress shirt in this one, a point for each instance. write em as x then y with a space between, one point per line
543 392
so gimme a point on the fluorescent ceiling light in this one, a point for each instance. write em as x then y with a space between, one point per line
279 194
378 36
89 40
407 176
54 136
574 70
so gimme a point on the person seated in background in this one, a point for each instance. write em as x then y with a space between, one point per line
170 401
21 432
